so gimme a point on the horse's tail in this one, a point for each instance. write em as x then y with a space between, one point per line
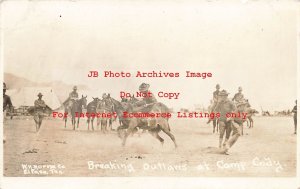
169 126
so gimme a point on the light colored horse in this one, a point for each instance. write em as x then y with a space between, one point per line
76 107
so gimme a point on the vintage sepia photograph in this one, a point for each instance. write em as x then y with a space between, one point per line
141 90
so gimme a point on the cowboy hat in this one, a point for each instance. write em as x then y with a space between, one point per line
104 95
40 94
144 87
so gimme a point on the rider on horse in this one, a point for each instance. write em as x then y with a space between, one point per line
73 96
238 97
146 103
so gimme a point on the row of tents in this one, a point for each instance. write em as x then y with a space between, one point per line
26 96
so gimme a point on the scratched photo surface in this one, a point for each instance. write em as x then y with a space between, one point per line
79 75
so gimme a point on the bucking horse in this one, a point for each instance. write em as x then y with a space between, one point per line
157 124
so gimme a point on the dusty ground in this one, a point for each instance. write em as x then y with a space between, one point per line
269 149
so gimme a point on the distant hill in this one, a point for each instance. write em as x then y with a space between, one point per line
61 89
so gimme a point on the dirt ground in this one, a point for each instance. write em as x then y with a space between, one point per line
268 149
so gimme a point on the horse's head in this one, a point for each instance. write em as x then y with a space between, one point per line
242 107
132 99
83 101
96 99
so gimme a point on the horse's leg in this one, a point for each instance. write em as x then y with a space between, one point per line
127 133
135 130
214 125
132 125
103 125
98 123
217 125
110 124
165 129
251 122
102 129
88 123
93 123
119 129
65 118
154 133
106 125
242 125
73 122
78 123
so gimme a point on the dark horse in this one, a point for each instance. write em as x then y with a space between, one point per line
156 124
76 107
92 108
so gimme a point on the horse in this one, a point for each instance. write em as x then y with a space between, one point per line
92 108
105 106
251 112
156 124
76 107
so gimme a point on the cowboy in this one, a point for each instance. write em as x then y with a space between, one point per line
6 99
146 103
224 106
73 96
104 96
238 97
295 117
236 127
108 101
147 100
39 107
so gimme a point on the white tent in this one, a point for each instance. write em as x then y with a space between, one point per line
26 96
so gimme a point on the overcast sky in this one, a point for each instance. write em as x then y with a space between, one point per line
252 45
